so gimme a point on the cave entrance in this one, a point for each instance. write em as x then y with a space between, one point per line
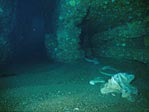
34 18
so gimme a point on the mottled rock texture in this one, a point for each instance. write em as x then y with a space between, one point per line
7 21
102 28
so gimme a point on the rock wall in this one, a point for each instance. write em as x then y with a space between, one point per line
126 34
66 47
101 28
123 42
7 21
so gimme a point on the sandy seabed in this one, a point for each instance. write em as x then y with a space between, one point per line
63 88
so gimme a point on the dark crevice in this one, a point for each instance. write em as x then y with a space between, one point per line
85 40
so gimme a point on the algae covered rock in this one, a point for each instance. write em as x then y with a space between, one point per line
51 45
86 27
117 29
123 42
71 13
131 30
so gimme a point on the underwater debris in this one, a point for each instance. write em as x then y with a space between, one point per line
120 83
97 80
107 71
116 82
94 61
111 71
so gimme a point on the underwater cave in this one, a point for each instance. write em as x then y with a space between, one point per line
74 55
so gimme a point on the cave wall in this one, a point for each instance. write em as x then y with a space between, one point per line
64 45
105 28
122 30
80 28
7 22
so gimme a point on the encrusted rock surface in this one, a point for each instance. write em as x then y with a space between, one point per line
87 27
